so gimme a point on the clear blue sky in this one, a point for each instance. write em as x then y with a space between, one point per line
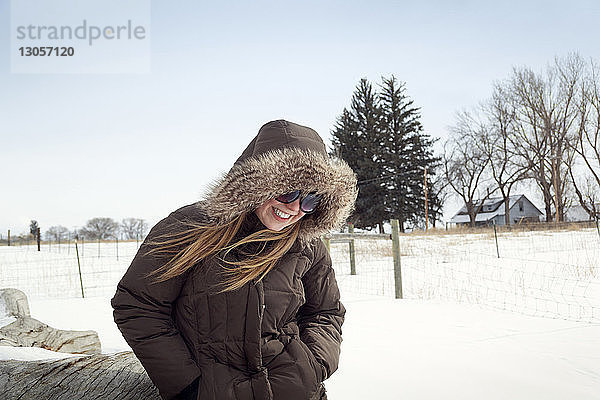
77 146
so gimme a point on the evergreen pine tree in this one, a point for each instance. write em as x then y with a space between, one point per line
382 139
33 227
407 151
357 140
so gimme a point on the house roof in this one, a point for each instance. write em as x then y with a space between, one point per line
480 217
491 208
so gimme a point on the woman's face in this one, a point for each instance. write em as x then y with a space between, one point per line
276 216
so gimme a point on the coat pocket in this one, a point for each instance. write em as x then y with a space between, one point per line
243 389
316 366
222 382
292 374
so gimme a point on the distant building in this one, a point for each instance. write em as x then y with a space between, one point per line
578 214
521 211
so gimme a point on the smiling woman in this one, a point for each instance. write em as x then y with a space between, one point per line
234 297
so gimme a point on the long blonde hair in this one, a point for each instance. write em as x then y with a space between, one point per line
201 241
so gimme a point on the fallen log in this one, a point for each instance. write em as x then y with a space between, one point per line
97 376
29 332
116 377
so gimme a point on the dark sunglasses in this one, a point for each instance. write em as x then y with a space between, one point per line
308 203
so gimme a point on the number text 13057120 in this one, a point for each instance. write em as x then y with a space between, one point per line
46 51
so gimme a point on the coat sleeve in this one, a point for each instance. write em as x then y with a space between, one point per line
320 319
142 311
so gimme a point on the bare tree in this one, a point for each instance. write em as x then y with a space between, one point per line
100 228
128 228
588 194
142 228
587 142
133 228
57 233
465 164
546 106
77 233
497 142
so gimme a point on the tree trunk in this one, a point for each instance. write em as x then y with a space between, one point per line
507 210
117 376
548 210
471 212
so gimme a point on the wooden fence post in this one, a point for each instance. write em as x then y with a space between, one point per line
352 251
79 268
38 238
9 237
496 237
396 254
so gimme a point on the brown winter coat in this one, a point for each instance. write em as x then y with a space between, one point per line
275 339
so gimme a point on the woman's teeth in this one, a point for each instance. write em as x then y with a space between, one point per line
280 213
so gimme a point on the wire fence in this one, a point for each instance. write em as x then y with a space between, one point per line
54 271
544 273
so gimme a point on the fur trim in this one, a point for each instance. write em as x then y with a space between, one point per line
257 179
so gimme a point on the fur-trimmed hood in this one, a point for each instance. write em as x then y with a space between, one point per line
283 157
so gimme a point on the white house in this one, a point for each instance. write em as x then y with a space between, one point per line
578 214
520 209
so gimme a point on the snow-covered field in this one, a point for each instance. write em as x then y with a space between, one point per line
451 337
552 274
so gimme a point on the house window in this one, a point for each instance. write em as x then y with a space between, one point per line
521 206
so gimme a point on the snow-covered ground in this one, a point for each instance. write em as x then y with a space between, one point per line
408 349
404 349
452 337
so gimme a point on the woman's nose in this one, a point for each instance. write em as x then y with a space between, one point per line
294 205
